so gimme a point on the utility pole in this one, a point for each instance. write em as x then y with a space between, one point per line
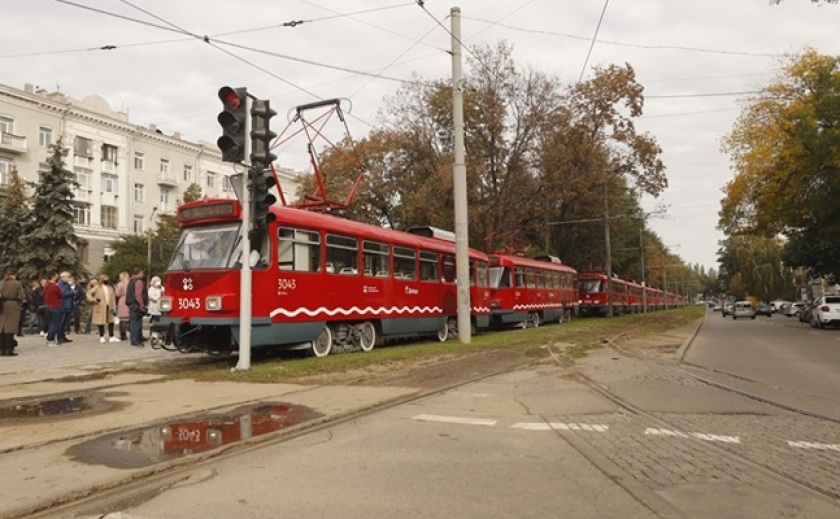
459 181
607 248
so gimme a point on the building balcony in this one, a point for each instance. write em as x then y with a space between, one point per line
108 166
12 143
167 179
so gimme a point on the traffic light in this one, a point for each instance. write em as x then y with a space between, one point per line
261 134
261 183
234 121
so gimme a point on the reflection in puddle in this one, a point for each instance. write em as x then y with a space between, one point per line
145 447
47 407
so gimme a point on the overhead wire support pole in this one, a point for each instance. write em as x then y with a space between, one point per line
459 181
243 363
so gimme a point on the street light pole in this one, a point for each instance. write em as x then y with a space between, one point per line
149 243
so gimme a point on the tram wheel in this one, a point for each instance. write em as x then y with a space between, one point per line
323 344
533 320
367 335
443 331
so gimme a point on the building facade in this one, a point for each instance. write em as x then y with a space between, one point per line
128 174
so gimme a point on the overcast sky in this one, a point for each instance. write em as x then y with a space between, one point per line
696 59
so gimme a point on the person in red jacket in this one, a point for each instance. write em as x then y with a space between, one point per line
52 302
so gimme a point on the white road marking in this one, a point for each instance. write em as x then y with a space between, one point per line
811 445
454 419
700 436
553 426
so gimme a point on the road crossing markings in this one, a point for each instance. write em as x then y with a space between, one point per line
655 431
812 445
543 426
455 419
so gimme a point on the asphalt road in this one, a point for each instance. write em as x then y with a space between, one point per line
776 357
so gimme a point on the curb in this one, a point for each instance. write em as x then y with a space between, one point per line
686 343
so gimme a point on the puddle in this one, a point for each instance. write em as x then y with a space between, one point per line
152 445
48 407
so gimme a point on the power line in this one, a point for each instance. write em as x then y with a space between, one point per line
625 44
594 39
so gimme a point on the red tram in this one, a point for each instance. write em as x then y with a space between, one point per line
320 282
527 292
627 296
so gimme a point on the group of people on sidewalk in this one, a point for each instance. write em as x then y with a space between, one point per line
53 301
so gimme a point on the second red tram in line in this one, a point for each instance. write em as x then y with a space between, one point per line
320 282
627 296
527 292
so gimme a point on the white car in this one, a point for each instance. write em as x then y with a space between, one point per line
743 309
826 310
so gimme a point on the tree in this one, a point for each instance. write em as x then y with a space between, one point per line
192 193
53 243
15 223
785 149
754 266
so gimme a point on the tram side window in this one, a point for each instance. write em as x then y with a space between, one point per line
342 255
520 276
483 274
541 278
449 269
404 263
376 259
299 250
428 266
530 278
472 273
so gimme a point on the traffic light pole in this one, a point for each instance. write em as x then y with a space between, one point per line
244 361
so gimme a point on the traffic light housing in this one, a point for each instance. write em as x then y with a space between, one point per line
261 134
261 183
234 122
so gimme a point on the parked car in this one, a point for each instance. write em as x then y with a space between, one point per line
743 309
804 313
781 307
793 309
726 309
826 311
778 306
764 309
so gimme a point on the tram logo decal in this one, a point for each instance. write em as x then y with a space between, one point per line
188 284
356 310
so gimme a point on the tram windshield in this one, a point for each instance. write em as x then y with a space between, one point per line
211 247
499 277
591 286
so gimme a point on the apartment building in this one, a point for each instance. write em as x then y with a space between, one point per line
128 174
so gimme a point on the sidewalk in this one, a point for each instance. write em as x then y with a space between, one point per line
85 355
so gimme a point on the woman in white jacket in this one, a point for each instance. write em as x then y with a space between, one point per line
155 293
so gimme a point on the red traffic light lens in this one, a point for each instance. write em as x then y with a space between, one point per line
230 98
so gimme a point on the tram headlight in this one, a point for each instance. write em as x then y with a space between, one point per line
214 436
213 303
165 304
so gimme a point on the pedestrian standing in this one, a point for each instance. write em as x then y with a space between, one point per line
52 303
122 307
12 296
43 316
89 323
103 305
66 306
35 300
155 293
76 309
137 299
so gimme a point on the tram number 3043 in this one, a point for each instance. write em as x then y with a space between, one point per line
189 303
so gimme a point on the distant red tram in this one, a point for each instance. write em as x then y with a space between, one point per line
320 282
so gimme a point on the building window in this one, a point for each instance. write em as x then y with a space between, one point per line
6 167
139 227
188 173
211 179
226 184
138 160
139 193
7 124
164 166
164 199
81 214
83 147
84 177
109 183
108 216
45 136
109 153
